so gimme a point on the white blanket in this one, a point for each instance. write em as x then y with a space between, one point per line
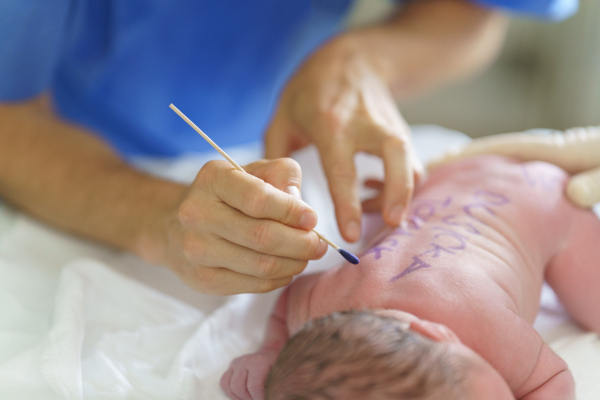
79 321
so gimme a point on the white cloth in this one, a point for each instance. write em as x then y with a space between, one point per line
79 321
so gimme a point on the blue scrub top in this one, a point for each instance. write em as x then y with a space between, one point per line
114 66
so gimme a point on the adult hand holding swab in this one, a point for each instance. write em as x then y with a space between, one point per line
347 255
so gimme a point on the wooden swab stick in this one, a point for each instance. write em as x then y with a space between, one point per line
347 255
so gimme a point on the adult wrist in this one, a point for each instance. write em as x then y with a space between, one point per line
362 45
159 222
378 48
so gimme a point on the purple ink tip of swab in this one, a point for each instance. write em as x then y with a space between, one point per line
351 258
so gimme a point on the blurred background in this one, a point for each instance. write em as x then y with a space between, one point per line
548 76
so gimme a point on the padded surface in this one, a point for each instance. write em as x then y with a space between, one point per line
80 321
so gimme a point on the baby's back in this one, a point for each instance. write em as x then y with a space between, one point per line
472 256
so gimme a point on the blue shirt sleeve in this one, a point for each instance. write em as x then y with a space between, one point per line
553 10
31 32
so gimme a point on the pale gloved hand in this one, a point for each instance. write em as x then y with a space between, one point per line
576 150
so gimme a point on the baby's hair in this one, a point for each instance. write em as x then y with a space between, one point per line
361 355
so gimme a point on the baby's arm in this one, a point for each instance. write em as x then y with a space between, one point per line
245 379
549 380
574 273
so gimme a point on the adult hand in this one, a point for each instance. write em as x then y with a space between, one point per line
235 232
577 151
338 102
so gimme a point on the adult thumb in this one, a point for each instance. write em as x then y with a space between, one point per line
584 188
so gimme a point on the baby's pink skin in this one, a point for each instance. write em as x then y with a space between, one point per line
245 379
502 227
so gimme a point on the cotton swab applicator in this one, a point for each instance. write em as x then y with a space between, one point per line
351 258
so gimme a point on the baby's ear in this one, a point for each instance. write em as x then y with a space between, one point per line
434 331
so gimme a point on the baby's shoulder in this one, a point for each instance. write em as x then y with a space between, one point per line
534 186
300 292
500 168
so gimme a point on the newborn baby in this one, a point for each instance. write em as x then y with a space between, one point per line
441 307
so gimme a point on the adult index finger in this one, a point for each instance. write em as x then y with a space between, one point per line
268 237
399 179
260 200
338 164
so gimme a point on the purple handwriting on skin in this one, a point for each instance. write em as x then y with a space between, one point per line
400 231
379 247
424 209
469 227
393 242
442 203
377 251
531 181
534 176
436 250
417 264
462 240
468 207
414 222
483 199
422 212
446 202
491 198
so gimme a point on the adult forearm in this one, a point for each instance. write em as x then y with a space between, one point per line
429 43
69 178
227 232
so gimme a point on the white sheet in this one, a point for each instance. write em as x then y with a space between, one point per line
79 321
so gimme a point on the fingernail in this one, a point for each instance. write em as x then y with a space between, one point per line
396 214
308 220
322 249
353 231
294 191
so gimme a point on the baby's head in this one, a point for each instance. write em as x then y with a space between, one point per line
374 355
